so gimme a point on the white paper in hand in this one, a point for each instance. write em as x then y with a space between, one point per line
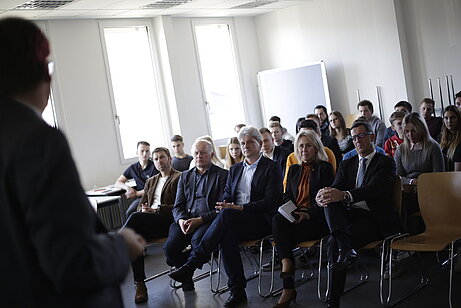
286 210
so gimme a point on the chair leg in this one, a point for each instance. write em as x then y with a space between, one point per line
424 279
271 288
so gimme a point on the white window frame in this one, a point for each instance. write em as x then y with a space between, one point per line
230 23
163 107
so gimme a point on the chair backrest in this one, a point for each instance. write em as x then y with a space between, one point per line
439 198
397 194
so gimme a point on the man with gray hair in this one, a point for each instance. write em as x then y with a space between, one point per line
252 195
199 189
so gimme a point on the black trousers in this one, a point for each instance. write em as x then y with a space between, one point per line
177 241
150 226
350 227
228 229
287 234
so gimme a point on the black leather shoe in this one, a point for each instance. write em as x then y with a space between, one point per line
183 274
347 256
237 297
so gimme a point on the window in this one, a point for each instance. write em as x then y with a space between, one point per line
220 78
49 114
134 89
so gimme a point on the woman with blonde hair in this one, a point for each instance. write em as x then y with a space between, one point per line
304 180
451 138
418 153
233 153
339 131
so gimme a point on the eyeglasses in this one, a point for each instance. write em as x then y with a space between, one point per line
360 136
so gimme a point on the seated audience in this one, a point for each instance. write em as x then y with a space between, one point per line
450 141
391 144
365 109
458 100
234 153
252 195
418 153
292 159
285 134
321 112
277 135
272 151
215 159
238 127
140 172
303 182
55 251
339 131
199 189
358 206
329 142
402 106
181 160
434 124
153 217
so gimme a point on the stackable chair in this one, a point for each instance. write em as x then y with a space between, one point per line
439 197
159 241
303 277
255 263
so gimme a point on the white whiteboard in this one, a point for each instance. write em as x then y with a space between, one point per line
291 93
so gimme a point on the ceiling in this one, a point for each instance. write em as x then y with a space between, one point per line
64 9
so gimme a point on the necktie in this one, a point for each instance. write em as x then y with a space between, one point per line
362 170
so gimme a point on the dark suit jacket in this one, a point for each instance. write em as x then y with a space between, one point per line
321 176
280 156
186 193
52 254
376 190
266 187
168 194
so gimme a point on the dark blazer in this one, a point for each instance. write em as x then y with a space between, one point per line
376 190
280 156
266 187
332 144
168 194
53 255
321 176
186 193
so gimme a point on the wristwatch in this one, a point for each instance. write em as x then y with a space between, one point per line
347 197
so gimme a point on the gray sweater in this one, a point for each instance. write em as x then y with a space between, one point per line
416 164
379 128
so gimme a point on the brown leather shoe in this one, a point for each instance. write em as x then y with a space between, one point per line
141 292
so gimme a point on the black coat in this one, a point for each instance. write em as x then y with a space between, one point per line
53 253
321 176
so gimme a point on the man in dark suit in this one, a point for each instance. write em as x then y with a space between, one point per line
153 216
252 196
199 190
275 152
358 206
55 251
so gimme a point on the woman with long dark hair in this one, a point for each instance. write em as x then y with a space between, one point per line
450 141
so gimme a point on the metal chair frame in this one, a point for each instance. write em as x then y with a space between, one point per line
442 229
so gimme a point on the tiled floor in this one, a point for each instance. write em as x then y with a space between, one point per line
365 296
